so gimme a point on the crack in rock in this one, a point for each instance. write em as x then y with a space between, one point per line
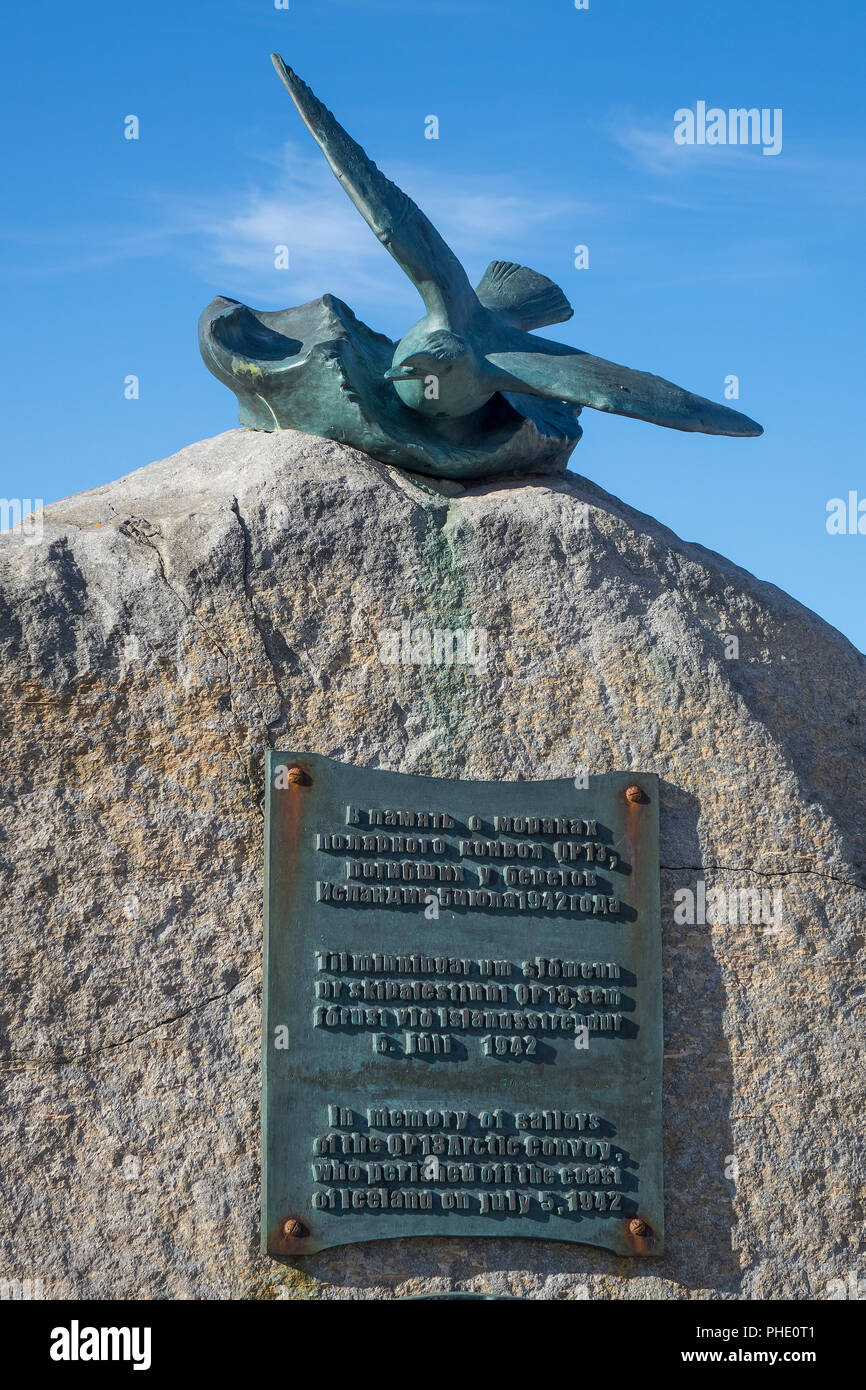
270 725
21 1063
760 873
132 527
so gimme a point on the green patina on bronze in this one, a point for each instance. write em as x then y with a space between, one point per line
470 391
355 1103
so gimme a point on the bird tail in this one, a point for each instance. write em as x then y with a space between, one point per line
522 297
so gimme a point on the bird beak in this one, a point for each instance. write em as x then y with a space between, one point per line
402 372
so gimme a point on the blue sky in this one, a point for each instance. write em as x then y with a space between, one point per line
555 130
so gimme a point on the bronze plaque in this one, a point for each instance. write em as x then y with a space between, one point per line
462 1008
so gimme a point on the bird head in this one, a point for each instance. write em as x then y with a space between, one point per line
413 368
435 356
433 378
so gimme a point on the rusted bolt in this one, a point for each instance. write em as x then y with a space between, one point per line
294 1229
634 793
297 776
638 1227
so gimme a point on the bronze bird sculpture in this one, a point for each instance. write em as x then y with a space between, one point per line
469 391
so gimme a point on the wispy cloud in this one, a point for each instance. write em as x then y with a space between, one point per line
228 239
301 206
296 204
653 150
647 146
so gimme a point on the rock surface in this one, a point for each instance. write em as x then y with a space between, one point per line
169 626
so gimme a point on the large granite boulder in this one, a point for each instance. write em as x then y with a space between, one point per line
168 627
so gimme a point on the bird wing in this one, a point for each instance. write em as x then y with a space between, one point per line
399 223
566 374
